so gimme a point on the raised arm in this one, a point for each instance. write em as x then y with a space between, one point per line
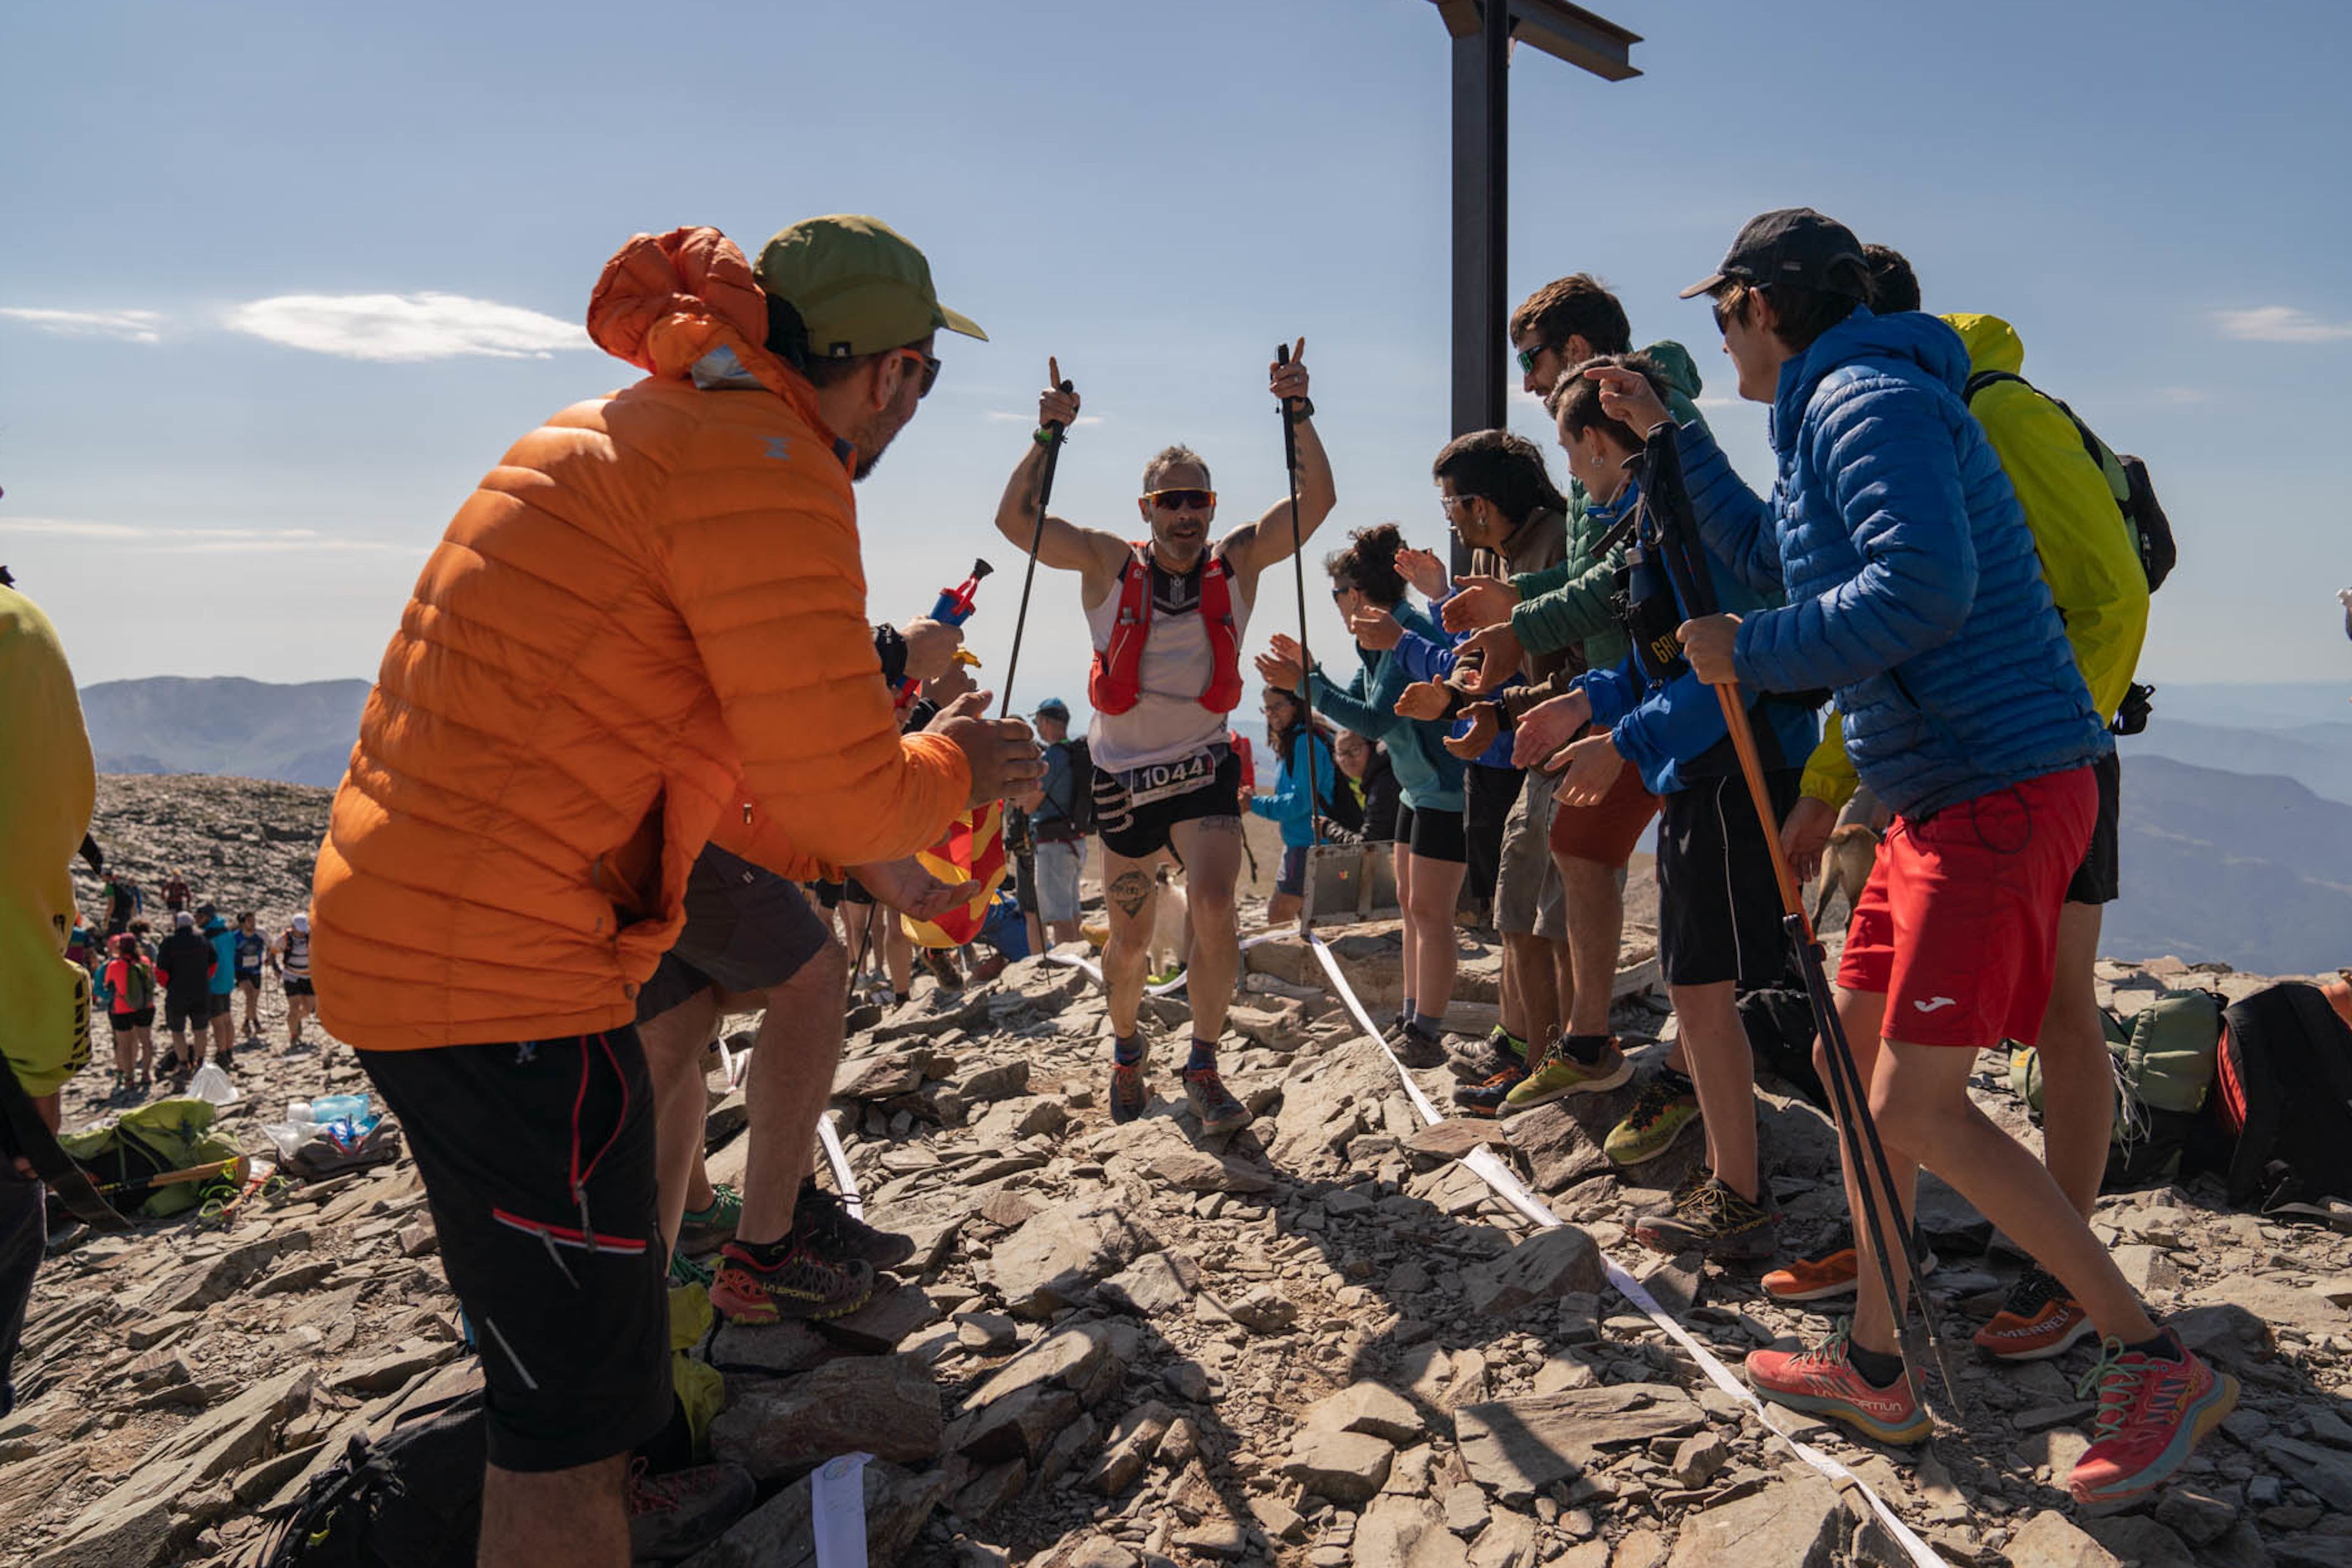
1061 544
1254 546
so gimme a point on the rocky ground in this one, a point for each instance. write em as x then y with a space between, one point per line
1323 1340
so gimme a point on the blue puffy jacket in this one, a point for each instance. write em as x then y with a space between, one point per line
1427 660
1428 776
223 936
1913 588
1673 731
1290 804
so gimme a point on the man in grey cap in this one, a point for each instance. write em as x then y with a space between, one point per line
1059 821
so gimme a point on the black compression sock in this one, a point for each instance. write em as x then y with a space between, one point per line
1878 1368
1585 1048
1679 1082
2164 1347
1127 1050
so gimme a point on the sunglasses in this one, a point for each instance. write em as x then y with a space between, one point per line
1528 357
930 373
1181 501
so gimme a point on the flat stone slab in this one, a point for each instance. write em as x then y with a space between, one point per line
1516 1447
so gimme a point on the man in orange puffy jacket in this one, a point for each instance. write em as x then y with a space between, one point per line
649 618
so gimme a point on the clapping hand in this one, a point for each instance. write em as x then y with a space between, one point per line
1375 628
1478 602
1425 700
1591 767
1284 666
1546 728
1485 724
1488 658
1424 570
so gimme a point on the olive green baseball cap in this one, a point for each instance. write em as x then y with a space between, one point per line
859 287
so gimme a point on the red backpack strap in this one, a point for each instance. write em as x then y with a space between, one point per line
1224 691
1114 683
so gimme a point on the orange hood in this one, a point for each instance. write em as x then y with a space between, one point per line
665 300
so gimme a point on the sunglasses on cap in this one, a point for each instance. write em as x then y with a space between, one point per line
1181 501
931 371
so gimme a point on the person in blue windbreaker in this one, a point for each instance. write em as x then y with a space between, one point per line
1293 805
1913 593
1431 853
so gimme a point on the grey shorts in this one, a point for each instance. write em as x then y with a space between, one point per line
1059 862
747 929
1528 898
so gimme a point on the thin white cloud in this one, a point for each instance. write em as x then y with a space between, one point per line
2281 324
136 326
199 541
405 328
1015 416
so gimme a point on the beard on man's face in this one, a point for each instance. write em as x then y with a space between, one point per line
874 437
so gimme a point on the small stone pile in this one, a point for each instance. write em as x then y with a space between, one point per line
1323 1340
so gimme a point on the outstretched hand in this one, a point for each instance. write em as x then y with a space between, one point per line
904 885
1000 753
1478 601
1375 628
1281 669
1592 766
1485 724
1488 658
1546 728
1425 700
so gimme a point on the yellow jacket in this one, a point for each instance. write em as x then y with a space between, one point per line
2089 557
48 787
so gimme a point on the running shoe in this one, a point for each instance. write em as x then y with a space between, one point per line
2038 1320
1821 1381
1127 1094
1666 1108
2153 1410
678 1514
1486 1099
1829 1272
705 1228
1713 1219
685 1270
1167 977
1213 1103
1558 1074
791 1281
1500 1051
821 1221
1417 1049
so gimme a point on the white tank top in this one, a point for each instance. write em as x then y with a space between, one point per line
1167 722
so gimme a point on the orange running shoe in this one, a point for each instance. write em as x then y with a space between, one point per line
2038 1320
1830 1272
2153 1410
1821 1381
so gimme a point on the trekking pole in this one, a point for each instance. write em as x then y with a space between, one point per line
1864 1152
1050 438
1306 659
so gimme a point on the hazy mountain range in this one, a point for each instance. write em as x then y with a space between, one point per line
2237 824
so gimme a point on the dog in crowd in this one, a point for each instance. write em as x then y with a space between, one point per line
1172 923
1846 863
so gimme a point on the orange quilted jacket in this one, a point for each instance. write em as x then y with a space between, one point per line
649 616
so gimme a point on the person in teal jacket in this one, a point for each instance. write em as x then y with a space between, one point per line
1432 855
221 1002
1293 805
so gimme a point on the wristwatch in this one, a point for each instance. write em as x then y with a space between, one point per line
1299 410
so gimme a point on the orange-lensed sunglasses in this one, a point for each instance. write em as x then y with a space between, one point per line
1181 501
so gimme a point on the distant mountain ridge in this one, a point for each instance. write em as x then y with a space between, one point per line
294 733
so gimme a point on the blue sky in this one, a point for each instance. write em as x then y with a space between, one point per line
224 453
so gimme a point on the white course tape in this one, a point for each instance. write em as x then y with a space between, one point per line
1508 1186
838 1512
838 1158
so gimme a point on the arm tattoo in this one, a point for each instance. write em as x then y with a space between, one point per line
1131 890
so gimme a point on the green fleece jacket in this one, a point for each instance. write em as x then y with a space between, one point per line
47 786
1567 604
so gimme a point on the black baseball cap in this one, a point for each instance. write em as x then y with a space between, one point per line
1794 245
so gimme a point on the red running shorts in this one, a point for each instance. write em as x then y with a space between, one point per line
1957 926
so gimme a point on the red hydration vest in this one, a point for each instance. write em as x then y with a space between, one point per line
1116 683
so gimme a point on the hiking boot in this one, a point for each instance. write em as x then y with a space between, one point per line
1213 1103
1417 1049
792 1283
1500 1051
1559 1074
2038 1320
1486 1099
1128 1094
1821 1381
1830 1271
678 1514
1666 1108
1713 1219
2152 1411
705 1228
824 1222
685 1270
225 1057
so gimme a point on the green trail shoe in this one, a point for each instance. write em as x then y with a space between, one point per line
1667 1108
1500 1051
707 1229
1715 1220
685 1270
1559 1074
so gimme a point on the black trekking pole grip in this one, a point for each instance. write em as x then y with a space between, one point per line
1052 442
1298 574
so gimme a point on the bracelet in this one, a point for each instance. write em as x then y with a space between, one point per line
1047 436
1299 410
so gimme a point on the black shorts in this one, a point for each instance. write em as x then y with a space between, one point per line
218 1006
296 986
1292 877
191 1015
125 1022
1488 796
565 1296
2099 880
1718 903
248 979
1431 835
1139 832
747 929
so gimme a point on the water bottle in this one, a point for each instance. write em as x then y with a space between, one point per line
298 1113
339 1107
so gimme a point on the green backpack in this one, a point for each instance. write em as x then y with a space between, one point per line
2163 1062
163 1135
